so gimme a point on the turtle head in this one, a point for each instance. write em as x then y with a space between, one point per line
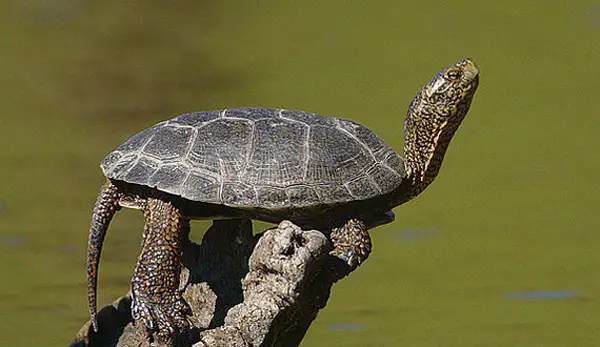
432 119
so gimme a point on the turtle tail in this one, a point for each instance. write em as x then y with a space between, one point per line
104 210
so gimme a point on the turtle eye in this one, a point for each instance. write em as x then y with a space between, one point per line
453 75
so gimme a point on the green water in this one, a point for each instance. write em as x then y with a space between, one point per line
515 208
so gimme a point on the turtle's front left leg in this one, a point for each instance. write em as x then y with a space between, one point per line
156 298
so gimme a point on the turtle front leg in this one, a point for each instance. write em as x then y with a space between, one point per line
351 243
156 298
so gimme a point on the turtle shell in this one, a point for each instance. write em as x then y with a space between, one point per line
259 157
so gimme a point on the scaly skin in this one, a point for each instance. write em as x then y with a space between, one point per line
106 206
351 243
157 300
433 117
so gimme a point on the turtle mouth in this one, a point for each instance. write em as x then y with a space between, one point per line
470 70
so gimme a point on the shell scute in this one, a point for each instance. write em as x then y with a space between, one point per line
141 171
221 147
271 196
308 118
199 186
301 194
195 119
169 142
335 157
238 193
278 153
384 177
329 193
169 177
251 113
363 187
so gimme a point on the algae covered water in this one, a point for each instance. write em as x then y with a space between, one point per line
500 251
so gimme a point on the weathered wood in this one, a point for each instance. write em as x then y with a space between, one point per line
244 290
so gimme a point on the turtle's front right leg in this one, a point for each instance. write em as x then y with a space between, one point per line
351 244
156 298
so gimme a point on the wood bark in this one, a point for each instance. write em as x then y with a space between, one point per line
244 290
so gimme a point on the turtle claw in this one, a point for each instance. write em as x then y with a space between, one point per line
351 243
165 319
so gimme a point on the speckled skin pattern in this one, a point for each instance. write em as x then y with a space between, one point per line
106 206
155 291
351 243
433 117
326 173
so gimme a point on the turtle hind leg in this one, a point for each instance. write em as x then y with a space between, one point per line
104 210
157 300
351 244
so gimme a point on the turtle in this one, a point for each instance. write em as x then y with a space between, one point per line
326 173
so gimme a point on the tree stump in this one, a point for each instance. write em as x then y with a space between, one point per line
244 290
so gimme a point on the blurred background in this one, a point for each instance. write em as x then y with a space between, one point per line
500 251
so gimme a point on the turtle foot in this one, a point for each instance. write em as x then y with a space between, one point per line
162 318
351 243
